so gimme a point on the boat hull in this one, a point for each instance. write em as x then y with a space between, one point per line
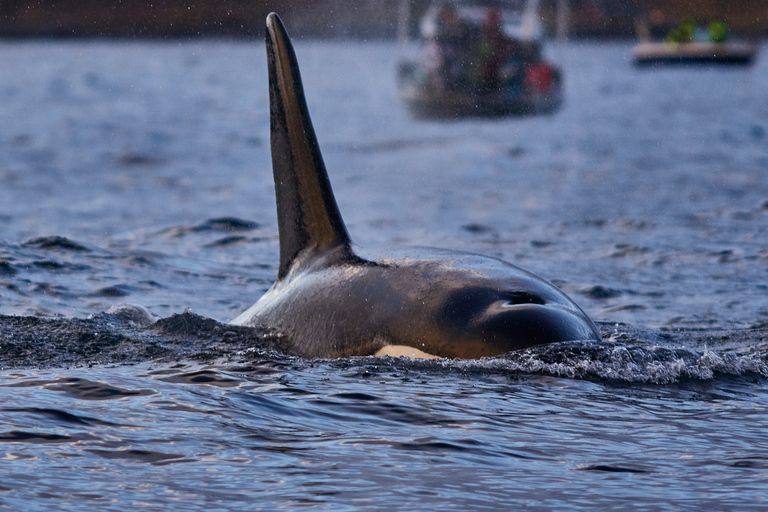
431 104
427 102
651 54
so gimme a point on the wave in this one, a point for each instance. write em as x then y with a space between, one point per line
128 334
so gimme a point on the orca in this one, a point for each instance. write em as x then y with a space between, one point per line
328 301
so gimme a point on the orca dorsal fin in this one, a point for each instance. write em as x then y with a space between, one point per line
307 214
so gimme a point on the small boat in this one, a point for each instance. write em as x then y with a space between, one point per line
690 43
694 53
459 73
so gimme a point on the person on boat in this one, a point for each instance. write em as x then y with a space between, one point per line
446 49
494 49
718 32
684 33
498 61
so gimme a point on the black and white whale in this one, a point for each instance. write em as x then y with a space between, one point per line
329 301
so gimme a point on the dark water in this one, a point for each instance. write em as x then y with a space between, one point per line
139 173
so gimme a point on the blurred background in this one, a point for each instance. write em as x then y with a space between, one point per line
638 190
336 18
135 167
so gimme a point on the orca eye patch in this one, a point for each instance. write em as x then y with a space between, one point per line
462 306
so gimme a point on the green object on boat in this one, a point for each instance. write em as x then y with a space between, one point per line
718 32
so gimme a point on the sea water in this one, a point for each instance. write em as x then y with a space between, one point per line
139 172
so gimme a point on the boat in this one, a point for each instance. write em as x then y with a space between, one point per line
456 75
690 44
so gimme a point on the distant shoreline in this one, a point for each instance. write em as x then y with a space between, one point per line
332 19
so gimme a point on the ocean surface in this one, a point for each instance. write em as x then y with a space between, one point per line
139 173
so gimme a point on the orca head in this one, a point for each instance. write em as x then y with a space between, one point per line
470 317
